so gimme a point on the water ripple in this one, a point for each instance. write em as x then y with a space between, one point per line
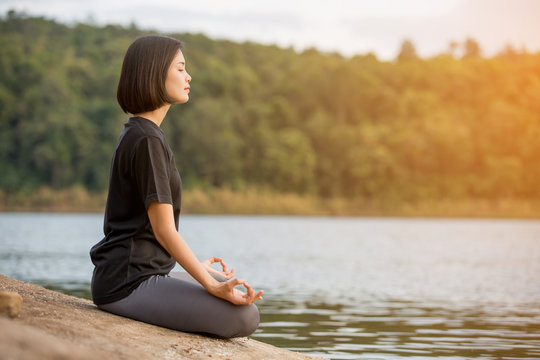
340 288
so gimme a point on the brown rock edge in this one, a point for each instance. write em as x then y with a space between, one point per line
52 325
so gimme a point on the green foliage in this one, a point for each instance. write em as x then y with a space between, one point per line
307 123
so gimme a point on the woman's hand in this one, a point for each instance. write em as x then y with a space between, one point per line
227 291
224 272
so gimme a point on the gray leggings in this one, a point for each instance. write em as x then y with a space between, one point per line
177 301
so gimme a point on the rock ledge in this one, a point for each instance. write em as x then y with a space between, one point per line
52 325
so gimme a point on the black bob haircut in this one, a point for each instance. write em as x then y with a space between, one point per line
141 87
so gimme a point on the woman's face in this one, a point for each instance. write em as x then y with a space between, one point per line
177 82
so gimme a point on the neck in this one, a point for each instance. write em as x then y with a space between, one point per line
157 115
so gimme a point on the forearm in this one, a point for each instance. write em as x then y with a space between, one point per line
177 247
162 221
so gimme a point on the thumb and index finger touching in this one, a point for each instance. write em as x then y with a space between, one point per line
250 295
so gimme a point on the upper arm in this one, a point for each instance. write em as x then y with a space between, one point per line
150 169
162 220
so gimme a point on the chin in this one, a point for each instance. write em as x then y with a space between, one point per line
182 100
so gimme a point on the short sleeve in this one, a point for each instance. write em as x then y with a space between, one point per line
151 171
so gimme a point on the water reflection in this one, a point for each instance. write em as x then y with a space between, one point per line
340 288
391 329
396 329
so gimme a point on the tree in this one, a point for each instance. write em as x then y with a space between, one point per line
452 48
270 117
509 52
472 48
407 52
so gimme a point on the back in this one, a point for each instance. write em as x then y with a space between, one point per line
142 171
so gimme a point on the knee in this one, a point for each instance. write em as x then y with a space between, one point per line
250 320
246 322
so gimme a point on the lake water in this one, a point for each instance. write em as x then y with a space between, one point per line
340 288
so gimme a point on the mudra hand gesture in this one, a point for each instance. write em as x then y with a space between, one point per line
226 290
224 272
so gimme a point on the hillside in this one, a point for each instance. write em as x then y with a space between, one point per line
310 123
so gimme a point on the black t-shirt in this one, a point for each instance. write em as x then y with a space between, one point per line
142 171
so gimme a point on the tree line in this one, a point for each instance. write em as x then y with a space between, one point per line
303 122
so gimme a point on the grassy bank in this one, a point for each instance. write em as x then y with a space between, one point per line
254 201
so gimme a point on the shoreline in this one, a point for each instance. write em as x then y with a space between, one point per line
254 201
53 325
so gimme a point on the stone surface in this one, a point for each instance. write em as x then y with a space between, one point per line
10 303
52 325
23 342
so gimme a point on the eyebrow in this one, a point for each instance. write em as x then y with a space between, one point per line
181 62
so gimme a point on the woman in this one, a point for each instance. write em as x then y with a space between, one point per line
141 245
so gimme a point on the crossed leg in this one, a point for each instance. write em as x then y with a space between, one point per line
177 301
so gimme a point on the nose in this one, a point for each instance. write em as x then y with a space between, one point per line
188 79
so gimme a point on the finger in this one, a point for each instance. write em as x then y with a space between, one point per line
231 273
243 301
250 292
227 276
236 282
224 268
255 297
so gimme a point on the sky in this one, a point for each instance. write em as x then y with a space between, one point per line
349 27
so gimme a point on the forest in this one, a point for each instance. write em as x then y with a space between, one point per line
315 124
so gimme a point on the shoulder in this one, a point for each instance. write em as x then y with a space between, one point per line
148 148
138 128
140 136
149 154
